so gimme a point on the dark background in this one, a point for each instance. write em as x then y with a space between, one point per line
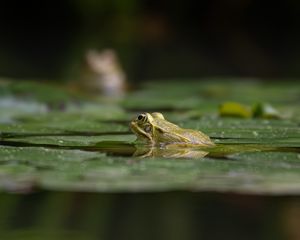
154 38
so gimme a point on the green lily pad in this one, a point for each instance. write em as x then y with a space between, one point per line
257 172
39 91
86 145
233 109
265 110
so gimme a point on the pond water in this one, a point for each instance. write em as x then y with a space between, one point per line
169 215
129 149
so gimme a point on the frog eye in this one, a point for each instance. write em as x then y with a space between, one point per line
142 117
147 129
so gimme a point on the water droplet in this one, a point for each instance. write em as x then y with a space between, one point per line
255 133
266 121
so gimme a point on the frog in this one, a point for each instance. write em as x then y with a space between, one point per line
153 129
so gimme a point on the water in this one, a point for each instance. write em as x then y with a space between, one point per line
170 215
124 148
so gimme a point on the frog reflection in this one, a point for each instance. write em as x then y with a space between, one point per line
168 151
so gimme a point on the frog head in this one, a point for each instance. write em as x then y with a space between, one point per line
146 127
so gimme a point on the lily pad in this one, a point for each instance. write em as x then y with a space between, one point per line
87 145
233 109
91 171
265 110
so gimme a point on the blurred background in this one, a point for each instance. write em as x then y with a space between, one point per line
173 215
153 38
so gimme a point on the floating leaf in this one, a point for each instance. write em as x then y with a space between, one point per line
233 109
87 146
265 110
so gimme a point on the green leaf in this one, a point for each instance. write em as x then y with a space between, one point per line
233 109
86 145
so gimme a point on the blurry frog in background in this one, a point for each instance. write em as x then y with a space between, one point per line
106 75
153 129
